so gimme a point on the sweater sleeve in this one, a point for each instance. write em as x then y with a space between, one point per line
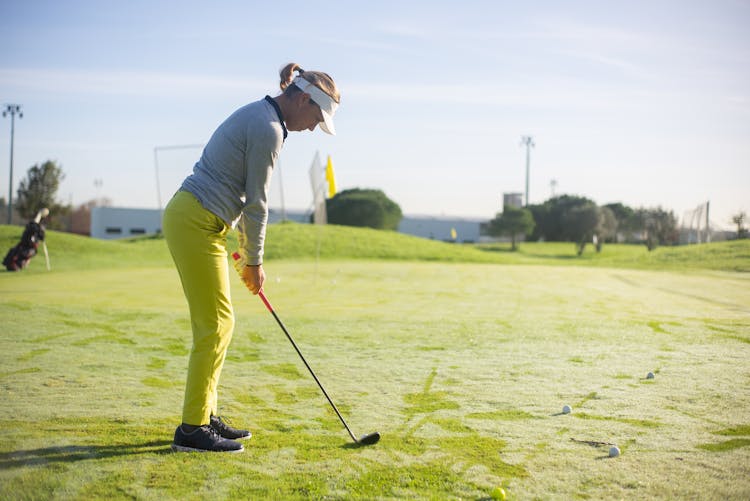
259 163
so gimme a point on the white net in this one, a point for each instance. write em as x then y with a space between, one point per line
696 227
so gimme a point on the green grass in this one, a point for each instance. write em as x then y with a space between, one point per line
463 367
302 241
724 256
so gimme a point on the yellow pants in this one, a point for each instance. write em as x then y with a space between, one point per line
197 241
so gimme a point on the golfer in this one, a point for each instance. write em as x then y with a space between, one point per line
228 187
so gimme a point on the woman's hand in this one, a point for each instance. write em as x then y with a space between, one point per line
254 276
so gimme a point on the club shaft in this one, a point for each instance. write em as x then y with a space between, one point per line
289 337
46 254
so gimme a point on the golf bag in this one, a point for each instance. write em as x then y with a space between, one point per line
18 257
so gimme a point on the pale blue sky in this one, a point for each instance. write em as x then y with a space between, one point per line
643 102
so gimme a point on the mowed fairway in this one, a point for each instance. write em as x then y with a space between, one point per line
463 369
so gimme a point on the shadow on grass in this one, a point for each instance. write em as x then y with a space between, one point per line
566 256
572 256
503 249
75 453
352 445
364 441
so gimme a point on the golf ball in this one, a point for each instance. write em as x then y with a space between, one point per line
567 409
650 375
614 452
498 493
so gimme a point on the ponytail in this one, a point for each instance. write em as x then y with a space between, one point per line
321 80
287 74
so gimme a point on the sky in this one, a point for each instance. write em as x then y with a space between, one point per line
644 102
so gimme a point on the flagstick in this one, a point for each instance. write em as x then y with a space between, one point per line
318 182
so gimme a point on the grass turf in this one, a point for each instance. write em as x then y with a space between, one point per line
304 241
463 368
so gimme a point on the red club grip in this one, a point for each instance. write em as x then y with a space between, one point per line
265 301
236 256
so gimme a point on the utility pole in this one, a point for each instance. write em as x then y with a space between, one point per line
12 109
527 141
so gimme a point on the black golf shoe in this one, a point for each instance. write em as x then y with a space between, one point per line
203 439
227 431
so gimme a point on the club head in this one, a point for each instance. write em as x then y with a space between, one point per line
369 439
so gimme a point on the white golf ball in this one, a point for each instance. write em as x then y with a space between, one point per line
614 452
650 375
567 409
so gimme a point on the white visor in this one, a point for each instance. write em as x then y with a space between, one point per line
324 101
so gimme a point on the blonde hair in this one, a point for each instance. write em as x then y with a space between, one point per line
321 80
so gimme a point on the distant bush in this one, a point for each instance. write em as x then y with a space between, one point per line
512 222
365 208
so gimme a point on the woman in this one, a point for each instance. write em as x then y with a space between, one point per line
229 184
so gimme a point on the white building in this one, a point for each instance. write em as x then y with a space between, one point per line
513 200
113 222
110 222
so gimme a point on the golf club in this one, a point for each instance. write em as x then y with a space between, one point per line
370 438
38 219
46 254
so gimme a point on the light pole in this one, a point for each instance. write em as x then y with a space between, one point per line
528 141
12 109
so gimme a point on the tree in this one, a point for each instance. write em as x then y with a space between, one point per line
512 222
624 217
550 215
540 213
364 207
606 227
659 226
38 190
739 219
580 224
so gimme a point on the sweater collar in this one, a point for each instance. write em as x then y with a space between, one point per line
278 112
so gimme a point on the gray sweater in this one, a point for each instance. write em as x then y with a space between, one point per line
232 177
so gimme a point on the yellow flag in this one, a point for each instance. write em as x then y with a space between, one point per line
454 235
331 178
